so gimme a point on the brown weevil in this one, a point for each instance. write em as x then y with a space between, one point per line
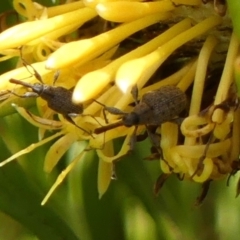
58 98
155 108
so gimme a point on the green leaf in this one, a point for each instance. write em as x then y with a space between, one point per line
234 10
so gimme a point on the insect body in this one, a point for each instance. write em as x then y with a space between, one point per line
155 108
59 99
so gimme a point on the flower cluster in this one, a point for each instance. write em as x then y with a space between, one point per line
104 48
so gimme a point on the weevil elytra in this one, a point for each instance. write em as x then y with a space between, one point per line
155 108
58 98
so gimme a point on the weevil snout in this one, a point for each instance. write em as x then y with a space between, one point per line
39 88
36 87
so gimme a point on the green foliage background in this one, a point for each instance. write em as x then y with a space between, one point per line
128 210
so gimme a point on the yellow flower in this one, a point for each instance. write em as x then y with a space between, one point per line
95 62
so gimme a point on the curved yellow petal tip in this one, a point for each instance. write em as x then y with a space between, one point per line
78 96
124 85
50 63
84 91
105 171
126 77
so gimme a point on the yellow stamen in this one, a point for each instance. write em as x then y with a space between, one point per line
94 3
102 77
144 67
207 170
132 10
201 72
226 78
64 8
22 73
87 49
188 2
28 31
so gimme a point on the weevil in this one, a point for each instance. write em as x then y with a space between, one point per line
155 108
58 98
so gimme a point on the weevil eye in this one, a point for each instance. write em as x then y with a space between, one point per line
130 119
38 88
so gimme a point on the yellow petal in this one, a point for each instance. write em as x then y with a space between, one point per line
105 170
57 150
31 148
85 50
62 176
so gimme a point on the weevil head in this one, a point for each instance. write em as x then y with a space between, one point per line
38 88
130 119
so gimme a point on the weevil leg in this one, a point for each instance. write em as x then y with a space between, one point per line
180 176
56 76
69 119
112 110
104 111
133 139
26 95
89 115
155 140
202 196
114 174
238 188
5 94
200 162
160 182
27 65
73 115
235 168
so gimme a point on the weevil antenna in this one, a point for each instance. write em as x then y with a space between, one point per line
27 65
56 76
134 93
